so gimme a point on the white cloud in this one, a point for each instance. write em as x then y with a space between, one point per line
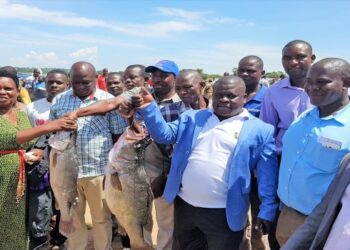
48 59
204 17
187 20
28 13
223 57
226 20
184 14
85 54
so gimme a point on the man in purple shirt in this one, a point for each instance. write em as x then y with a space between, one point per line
286 100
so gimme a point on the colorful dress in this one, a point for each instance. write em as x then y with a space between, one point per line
13 232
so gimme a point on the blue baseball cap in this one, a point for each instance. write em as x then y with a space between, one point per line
164 65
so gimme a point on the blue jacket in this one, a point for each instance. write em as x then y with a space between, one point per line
255 150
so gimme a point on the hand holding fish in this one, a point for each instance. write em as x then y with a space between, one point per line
139 101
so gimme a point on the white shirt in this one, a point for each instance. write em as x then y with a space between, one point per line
339 236
39 111
205 179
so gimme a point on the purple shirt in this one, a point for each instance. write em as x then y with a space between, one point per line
282 104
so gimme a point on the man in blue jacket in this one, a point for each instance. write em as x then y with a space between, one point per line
215 152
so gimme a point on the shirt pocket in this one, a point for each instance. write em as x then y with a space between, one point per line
327 159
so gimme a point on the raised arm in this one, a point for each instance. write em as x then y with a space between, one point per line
98 108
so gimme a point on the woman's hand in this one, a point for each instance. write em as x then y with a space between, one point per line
63 123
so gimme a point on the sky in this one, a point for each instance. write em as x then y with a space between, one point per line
209 35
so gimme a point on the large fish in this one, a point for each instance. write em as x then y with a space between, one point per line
127 187
64 168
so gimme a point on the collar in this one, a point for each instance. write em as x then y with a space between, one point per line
243 115
286 83
341 116
90 97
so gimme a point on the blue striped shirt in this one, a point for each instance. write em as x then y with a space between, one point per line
94 140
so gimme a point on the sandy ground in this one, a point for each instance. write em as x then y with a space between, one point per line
116 244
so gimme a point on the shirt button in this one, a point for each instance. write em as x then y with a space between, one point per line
290 170
187 152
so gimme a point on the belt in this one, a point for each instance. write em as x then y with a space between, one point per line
21 176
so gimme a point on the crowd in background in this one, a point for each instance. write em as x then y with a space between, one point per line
232 159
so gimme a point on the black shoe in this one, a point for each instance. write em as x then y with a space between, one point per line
44 246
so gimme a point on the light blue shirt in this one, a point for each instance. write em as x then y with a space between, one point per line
313 148
94 140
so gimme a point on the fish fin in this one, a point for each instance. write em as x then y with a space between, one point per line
66 227
104 182
115 182
72 205
56 205
149 222
54 159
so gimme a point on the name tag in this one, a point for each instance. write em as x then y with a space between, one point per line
330 143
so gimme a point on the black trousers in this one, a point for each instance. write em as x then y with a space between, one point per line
198 228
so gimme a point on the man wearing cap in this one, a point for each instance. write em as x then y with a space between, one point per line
163 75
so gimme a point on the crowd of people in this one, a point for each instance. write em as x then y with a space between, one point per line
230 161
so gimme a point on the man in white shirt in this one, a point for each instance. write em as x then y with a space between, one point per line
209 180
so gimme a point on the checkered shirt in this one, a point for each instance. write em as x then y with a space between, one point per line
94 138
171 112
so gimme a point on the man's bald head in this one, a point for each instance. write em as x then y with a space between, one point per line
236 81
85 66
327 85
335 66
83 78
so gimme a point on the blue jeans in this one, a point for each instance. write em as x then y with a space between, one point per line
202 228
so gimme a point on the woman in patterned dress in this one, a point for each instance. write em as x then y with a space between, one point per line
16 135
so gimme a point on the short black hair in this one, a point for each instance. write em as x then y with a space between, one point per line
121 74
294 42
140 66
58 71
5 72
255 58
10 69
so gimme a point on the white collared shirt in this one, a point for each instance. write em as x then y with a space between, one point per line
204 181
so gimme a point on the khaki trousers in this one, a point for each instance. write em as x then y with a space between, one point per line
90 191
288 222
165 220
